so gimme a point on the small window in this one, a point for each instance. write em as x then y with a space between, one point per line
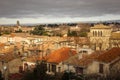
48 67
101 33
59 69
53 68
101 68
95 33
84 51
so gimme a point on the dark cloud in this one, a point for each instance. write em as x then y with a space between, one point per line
58 8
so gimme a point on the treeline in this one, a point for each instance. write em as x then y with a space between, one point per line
57 25
39 30
82 33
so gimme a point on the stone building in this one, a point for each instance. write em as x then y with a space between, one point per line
115 39
101 63
100 37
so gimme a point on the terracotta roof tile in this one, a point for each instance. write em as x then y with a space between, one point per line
2 44
110 55
89 58
7 57
60 55
102 56
85 60
12 35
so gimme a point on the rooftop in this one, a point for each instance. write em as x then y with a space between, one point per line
100 26
85 60
60 55
110 55
115 35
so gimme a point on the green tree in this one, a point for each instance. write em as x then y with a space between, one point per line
39 72
6 32
69 33
19 31
39 30
83 34
74 33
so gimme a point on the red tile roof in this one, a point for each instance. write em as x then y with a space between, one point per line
86 60
7 57
12 35
101 56
60 55
2 44
110 55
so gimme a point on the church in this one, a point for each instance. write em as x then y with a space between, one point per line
103 37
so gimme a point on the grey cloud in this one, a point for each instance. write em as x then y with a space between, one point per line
58 8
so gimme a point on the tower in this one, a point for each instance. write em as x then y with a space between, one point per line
100 36
18 23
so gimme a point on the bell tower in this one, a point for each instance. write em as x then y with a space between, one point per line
18 23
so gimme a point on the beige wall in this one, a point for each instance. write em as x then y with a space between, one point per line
93 68
65 67
14 65
3 39
102 36
115 66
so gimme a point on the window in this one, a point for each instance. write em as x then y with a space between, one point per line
101 68
59 69
53 68
25 66
100 46
79 70
48 67
95 33
20 69
84 51
101 33
98 33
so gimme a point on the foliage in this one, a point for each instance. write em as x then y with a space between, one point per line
65 76
71 76
71 24
56 33
39 30
18 31
52 25
71 33
83 34
74 33
1 78
39 72
68 33
6 32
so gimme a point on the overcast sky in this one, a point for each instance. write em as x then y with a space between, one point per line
50 11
